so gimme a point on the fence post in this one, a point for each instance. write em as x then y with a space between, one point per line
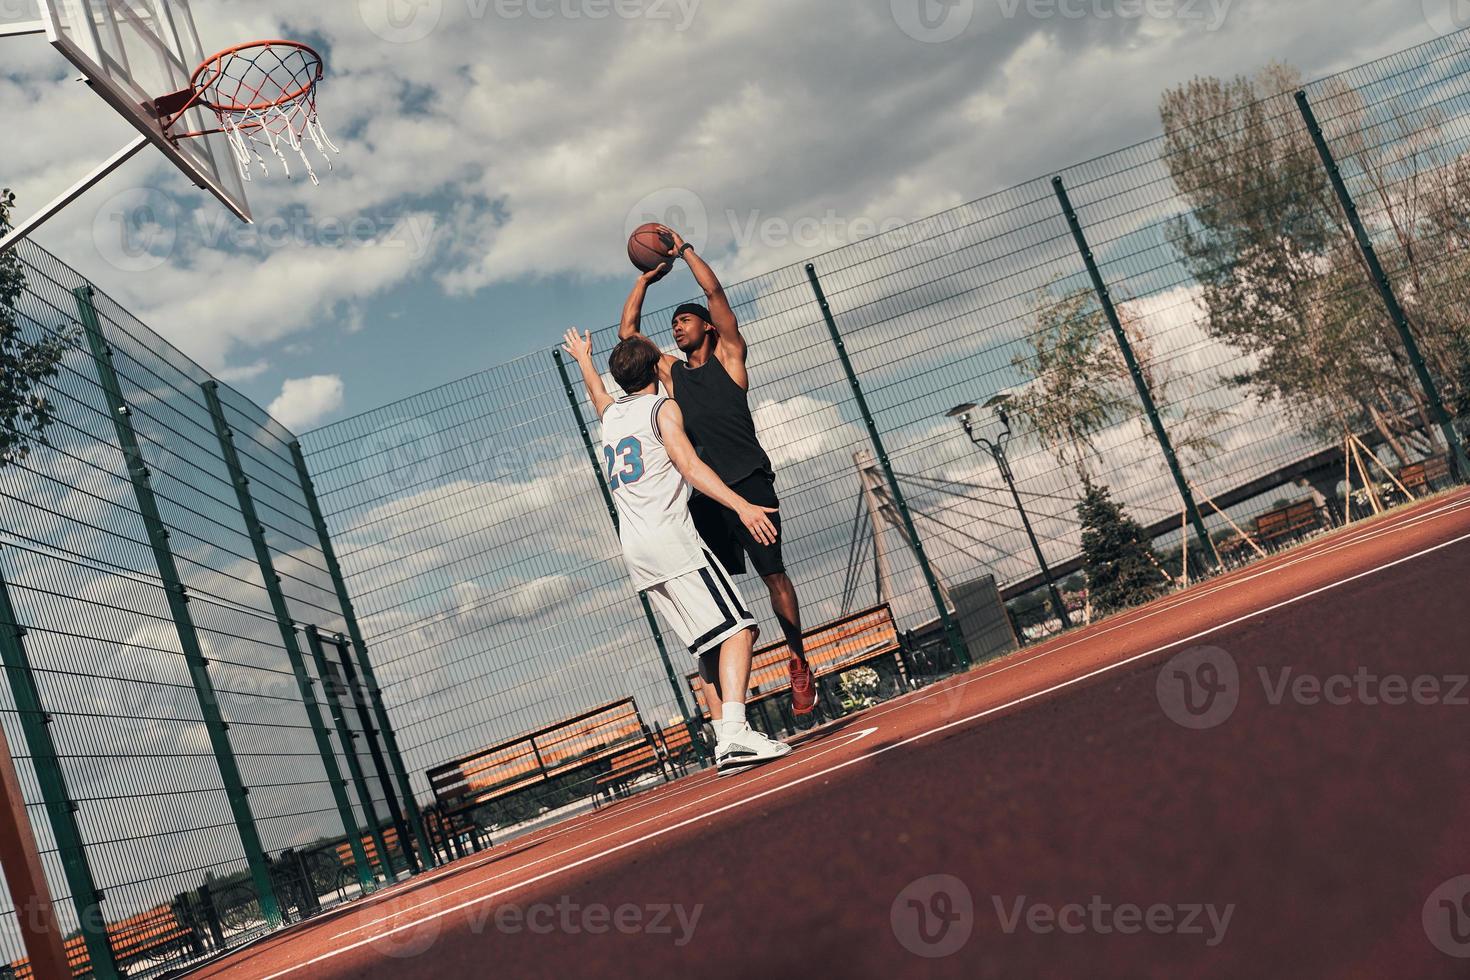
272 580
951 631
359 698
178 602
60 810
612 511
1145 395
332 689
390 740
1385 291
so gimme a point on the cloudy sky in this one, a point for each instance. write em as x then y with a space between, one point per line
495 153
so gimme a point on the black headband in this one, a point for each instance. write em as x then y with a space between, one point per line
696 309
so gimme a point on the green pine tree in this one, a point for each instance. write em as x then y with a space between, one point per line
1120 569
24 413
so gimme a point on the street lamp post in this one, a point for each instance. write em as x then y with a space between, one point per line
997 449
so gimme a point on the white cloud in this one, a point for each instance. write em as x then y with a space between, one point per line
303 402
527 139
244 372
801 428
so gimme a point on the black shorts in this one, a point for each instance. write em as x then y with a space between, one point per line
728 538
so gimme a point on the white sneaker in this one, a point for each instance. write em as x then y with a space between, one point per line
746 749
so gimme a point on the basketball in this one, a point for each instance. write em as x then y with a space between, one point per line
649 248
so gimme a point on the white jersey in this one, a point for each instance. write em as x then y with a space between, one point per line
659 540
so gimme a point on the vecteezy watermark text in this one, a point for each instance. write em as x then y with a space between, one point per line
684 210
934 917
938 21
1363 686
673 921
1209 13
410 21
1206 920
1201 687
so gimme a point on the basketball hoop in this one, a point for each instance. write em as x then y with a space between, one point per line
264 95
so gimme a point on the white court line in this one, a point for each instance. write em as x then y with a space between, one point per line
1174 603
746 801
1122 624
838 741
1277 563
1346 538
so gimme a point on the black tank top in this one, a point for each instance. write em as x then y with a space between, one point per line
717 418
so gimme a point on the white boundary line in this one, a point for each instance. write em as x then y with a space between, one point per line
1312 550
746 801
1345 538
840 740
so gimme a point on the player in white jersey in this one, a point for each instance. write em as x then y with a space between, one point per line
650 466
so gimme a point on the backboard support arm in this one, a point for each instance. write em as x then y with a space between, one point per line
24 229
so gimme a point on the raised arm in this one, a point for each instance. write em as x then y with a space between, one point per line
633 308
633 321
722 317
705 480
580 347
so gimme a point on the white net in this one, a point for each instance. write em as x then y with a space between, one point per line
265 97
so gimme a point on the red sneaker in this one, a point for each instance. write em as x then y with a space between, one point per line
803 691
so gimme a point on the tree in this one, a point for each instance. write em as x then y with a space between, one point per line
1080 385
1120 568
1280 273
25 414
1075 369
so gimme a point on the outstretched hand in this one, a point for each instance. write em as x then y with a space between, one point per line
577 344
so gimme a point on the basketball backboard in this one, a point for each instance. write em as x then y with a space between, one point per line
132 52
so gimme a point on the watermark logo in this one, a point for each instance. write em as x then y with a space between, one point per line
933 21
1199 688
401 21
685 212
1447 917
410 21
19 11
137 230
679 13
1209 922
1447 16
404 454
1209 14
679 208
411 940
934 916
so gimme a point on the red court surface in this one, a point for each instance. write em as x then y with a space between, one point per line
1296 821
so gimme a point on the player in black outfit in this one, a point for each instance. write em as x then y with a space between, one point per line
711 389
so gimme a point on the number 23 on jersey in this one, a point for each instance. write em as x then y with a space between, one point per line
628 454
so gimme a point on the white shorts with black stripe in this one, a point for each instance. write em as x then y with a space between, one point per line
703 607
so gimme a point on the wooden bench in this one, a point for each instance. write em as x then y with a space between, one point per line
370 848
1288 522
630 765
1425 476
148 935
539 757
852 641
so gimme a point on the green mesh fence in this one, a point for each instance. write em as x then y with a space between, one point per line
106 657
488 574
